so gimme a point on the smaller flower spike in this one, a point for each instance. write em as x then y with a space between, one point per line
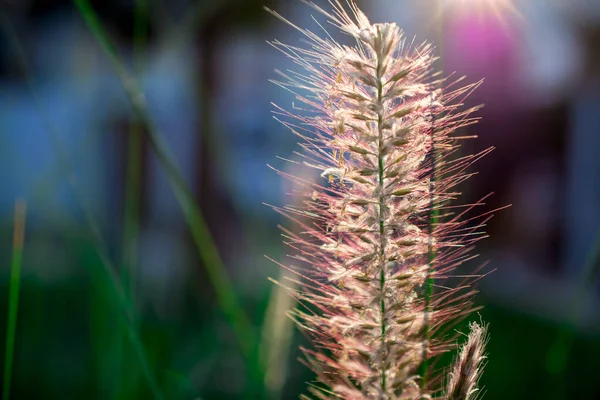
377 125
462 383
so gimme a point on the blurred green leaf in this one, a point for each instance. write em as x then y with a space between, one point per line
13 302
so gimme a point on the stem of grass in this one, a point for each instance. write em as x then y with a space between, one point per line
134 164
131 224
557 356
428 290
13 297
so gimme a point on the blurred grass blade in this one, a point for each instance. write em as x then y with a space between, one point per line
591 268
99 242
222 285
277 336
178 33
557 356
128 312
13 297
132 201
140 29
134 162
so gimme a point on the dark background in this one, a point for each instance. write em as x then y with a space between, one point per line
108 250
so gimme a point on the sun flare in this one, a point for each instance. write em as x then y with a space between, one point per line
503 10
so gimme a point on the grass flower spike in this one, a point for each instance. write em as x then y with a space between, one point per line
462 384
377 233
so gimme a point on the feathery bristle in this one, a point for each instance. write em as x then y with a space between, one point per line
462 382
380 134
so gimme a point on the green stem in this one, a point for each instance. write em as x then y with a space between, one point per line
434 212
381 225
433 221
13 296
557 355
134 165
131 225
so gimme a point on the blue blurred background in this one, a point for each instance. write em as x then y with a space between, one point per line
101 209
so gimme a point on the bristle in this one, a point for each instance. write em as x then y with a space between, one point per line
380 135
463 380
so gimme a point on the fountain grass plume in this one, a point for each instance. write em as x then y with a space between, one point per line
378 125
463 380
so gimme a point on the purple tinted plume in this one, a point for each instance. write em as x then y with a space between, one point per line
377 233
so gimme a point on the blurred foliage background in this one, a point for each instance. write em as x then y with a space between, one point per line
138 133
